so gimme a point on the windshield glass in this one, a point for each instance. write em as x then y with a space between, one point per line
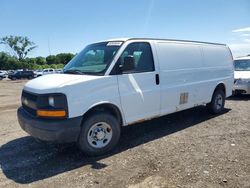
94 59
242 65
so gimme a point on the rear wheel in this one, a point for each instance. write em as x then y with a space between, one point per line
217 103
99 134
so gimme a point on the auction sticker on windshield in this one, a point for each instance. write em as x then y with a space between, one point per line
114 44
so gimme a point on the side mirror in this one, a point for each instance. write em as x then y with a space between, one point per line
128 64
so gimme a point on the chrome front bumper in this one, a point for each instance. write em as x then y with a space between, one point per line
242 88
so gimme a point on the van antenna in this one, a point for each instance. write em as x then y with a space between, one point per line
49 46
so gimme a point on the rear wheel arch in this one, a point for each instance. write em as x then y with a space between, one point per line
217 103
220 86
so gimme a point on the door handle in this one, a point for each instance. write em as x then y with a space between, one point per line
157 79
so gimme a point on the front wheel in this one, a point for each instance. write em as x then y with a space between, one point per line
217 103
99 134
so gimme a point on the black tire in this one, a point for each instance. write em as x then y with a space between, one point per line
85 142
42 142
13 78
216 106
30 77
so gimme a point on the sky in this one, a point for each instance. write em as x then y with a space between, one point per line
58 26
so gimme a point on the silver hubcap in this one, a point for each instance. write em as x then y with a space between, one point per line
99 135
218 102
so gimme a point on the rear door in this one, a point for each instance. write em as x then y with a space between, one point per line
139 89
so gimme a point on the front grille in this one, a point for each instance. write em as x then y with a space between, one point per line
241 91
29 110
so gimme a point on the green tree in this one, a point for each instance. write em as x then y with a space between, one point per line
30 61
40 60
20 46
51 59
53 66
63 58
8 62
59 66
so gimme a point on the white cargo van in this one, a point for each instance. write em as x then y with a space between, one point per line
116 83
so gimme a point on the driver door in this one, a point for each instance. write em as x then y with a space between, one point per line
139 88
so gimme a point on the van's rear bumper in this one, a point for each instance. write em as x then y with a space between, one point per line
61 131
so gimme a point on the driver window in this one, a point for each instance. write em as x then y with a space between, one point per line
141 51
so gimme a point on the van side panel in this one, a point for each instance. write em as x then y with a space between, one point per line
180 74
179 56
189 73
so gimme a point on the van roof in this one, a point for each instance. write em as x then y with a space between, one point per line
158 39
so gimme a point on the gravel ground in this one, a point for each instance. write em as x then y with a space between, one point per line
186 149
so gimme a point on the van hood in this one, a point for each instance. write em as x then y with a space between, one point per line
53 82
242 74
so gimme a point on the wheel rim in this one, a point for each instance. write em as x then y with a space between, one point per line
99 135
218 102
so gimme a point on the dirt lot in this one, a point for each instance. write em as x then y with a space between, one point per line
187 149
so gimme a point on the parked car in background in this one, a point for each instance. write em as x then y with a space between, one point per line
28 74
3 74
59 71
242 76
48 71
10 71
123 82
38 73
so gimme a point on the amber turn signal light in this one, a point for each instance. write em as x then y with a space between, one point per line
51 113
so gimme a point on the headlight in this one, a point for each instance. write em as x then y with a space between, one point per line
242 81
51 101
248 80
52 106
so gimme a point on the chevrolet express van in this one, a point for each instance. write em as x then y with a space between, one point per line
120 82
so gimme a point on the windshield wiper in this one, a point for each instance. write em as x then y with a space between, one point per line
73 71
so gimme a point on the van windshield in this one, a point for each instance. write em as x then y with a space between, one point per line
242 65
94 59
